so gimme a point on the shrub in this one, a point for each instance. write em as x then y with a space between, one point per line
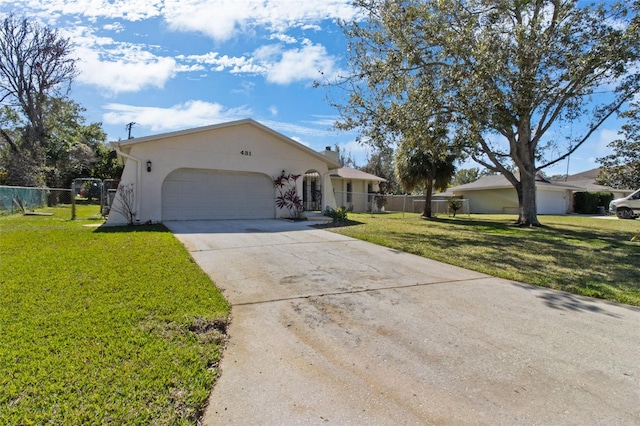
455 204
588 202
380 201
338 215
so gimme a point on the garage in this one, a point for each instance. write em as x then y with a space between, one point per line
196 194
217 172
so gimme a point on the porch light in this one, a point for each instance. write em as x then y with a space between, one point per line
149 165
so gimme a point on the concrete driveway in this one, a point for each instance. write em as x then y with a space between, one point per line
330 330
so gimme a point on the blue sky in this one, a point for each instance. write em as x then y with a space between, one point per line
174 64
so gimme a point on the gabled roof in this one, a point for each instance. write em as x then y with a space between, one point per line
349 173
587 181
244 122
501 182
586 175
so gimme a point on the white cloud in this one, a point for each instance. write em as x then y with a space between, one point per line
218 63
283 38
222 19
277 64
219 19
125 74
359 152
192 113
306 63
118 67
130 10
273 110
116 27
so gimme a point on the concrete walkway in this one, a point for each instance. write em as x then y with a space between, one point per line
330 330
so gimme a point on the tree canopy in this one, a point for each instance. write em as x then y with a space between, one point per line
505 74
43 136
35 68
622 168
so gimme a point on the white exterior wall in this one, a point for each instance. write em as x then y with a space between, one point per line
491 201
219 148
505 201
360 197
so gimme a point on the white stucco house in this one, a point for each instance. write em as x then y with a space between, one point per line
223 171
494 194
355 189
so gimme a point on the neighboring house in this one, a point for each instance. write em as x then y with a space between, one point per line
223 171
495 194
587 181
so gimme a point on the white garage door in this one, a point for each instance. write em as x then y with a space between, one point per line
189 194
551 202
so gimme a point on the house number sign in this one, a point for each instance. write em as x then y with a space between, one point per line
245 153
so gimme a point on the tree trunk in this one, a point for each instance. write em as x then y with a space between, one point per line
427 199
527 199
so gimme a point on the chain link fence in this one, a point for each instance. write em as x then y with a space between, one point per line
88 199
373 202
27 200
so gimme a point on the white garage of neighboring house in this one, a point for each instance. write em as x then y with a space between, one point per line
494 194
223 171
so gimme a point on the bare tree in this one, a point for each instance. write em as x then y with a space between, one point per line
35 66
124 203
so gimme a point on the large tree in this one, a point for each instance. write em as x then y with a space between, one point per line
35 67
73 148
507 73
622 168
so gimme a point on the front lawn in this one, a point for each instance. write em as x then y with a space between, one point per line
103 326
582 255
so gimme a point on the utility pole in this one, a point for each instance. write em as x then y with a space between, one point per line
128 127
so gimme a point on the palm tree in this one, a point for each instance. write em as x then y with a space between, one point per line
420 163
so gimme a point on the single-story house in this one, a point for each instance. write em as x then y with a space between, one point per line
587 181
223 171
494 194
355 189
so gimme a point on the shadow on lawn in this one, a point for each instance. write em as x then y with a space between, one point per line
342 224
588 263
132 228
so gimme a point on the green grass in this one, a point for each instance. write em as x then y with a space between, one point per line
103 326
583 255
119 326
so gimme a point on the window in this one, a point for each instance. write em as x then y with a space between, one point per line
349 191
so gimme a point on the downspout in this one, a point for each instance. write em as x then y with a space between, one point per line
324 190
139 179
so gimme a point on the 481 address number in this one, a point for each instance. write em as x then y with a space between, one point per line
245 153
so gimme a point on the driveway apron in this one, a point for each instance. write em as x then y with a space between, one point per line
331 330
